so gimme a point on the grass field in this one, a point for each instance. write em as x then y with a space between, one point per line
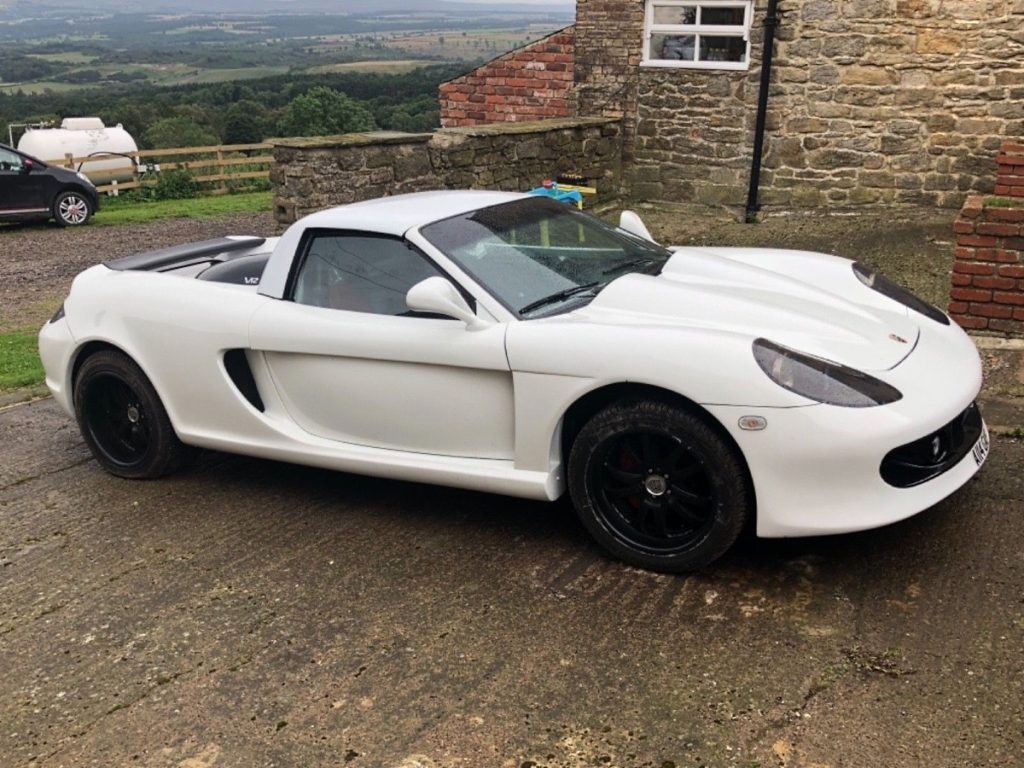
395 67
19 360
157 74
115 211
40 87
451 44
70 57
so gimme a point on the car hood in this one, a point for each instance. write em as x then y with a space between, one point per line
809 302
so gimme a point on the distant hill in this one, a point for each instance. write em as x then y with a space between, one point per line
376 7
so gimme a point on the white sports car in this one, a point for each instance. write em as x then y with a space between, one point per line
513 344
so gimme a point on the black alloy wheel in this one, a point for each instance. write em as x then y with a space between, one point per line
656 493
123 421
115 419
658 487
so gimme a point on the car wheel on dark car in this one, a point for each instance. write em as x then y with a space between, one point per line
123 421
658 487
71 209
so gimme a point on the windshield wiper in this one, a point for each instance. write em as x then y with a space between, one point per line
554 298
627 265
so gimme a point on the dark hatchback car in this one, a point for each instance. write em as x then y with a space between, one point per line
31 189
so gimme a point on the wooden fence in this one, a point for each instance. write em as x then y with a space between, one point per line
217 165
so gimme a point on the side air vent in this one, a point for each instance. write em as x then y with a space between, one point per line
238 369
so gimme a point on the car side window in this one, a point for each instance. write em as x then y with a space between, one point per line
9 161
360 273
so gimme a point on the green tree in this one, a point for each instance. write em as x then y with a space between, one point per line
244 123
322 111
173 132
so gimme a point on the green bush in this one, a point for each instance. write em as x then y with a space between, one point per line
174 185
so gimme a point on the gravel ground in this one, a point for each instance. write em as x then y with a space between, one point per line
39 261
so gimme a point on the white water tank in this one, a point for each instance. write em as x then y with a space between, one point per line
80 137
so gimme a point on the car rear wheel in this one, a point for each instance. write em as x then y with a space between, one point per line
123 421
71 209
658 487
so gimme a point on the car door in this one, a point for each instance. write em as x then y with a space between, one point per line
20 192
352 363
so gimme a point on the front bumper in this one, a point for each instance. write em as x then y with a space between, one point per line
56 350
818 469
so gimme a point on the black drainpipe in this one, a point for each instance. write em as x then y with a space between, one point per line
771 21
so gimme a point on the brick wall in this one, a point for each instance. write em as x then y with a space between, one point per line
316 173
531 83
1010 174
988 274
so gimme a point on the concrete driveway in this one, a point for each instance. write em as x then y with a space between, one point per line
253 614
248 613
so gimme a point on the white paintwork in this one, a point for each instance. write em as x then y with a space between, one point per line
437 295
632 223
81 136
423 385
429 400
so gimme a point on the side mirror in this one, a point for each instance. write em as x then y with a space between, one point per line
27 166
633 224
438 296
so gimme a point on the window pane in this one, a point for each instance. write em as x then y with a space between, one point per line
733 14
9 161
723 49
673 14
673 47
360 274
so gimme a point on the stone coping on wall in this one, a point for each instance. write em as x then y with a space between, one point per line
531 126
364 139
369 138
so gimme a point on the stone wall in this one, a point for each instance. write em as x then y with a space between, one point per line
872 102
529 83
312 174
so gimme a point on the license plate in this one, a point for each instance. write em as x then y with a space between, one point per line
980 450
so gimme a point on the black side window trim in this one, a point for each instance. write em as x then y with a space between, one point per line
312 234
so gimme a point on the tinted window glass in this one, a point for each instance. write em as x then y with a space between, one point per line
730 15
714 48
535 248
9 161
360 273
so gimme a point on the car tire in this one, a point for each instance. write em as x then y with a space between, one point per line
658 487
123 421
71 209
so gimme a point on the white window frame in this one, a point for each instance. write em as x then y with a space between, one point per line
698 29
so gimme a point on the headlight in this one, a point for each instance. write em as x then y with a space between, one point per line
85 178
887 287
821 380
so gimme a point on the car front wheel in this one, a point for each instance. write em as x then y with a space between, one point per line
71 209
658 487
123 421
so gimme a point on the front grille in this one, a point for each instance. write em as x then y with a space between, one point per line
927 458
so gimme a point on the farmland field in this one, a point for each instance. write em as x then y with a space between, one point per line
204 78
398 66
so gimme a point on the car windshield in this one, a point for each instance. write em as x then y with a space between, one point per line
540 257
